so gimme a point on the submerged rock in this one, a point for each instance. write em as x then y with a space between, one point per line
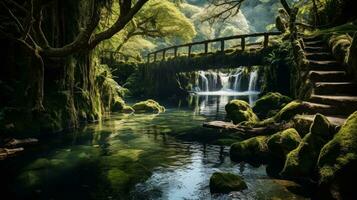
270 104
148 106
239 111
301 162
253 150
337 161
226 182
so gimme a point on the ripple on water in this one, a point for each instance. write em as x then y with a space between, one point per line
134 157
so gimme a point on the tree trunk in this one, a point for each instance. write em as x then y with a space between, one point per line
286 6
316 13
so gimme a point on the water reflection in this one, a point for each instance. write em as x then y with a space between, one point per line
135 157
212 105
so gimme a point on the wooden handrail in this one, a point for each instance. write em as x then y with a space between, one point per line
221 40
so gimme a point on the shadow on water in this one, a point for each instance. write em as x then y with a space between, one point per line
135 157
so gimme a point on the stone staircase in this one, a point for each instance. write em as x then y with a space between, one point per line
334 93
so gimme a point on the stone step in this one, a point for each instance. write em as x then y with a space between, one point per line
327 65
335 88
327 76
313 49
322 108
319 56
312 38
346 104
334 120
315 43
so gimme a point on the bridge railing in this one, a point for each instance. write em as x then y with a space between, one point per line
222 40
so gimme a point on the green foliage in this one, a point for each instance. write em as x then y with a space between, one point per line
278 69
157 19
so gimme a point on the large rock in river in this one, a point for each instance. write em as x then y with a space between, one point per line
239 111
148 106
253 150
270 104
226 182
337 162
281 143
301 162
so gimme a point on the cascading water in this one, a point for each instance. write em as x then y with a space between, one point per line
237 79
253 79
204 81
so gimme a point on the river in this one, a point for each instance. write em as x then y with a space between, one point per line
137 157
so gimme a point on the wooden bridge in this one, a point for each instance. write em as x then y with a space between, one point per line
173 51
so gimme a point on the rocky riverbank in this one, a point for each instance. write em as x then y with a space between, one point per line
313 151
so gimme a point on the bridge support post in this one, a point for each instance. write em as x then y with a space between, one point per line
175 52
206 47
189 50
222 46
155 57
243 43
266 40
163 55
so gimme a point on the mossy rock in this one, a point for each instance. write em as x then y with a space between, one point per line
301 162
281 143
253 150
270 103
239 111
127 109
226 182
338 158
148 106
118 104
290 110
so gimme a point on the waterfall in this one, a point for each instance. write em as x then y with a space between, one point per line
237 79
225 80
215 80
204 81
253 79
234 81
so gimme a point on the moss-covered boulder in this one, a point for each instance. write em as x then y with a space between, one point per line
337 161
270 104
127 109
239 111
281 143
226 182
148 106
301 162
290 110
253 150
118 104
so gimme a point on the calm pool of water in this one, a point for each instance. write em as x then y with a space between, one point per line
134 157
